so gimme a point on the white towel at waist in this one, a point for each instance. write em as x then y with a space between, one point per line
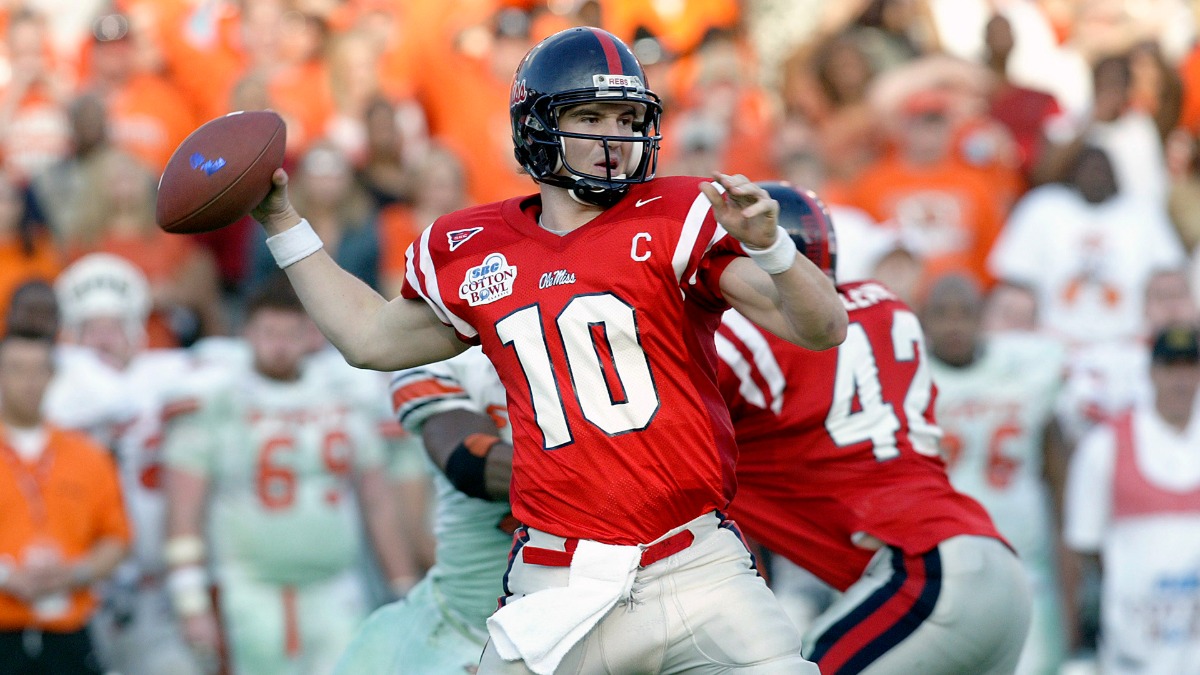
540 628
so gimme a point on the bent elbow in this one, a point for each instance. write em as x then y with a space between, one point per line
833 333
360 358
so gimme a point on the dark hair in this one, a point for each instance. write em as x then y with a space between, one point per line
1120 63
872 14
275 292
28 334
1175 345
36 289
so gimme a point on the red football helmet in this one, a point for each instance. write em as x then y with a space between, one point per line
805 218
574 66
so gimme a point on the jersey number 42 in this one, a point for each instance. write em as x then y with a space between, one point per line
858 378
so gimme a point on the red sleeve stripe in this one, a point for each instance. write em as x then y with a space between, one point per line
415 390
180 407
420 389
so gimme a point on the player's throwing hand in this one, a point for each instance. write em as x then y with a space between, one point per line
745 210
276 212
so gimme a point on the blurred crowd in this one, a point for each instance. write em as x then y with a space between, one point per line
1047 149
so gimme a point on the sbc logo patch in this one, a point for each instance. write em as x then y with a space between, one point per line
488 282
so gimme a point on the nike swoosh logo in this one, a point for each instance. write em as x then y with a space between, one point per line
643 202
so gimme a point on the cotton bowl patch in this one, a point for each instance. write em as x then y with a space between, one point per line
488 282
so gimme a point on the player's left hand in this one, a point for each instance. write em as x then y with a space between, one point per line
745 210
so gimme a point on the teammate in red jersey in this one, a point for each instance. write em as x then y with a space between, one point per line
596 300
839 472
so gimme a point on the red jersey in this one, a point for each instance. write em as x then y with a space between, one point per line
841 442
603 339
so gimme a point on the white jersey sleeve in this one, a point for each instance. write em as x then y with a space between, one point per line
1088 497
191 414
88 395
460 383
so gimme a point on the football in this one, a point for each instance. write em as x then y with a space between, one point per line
220 172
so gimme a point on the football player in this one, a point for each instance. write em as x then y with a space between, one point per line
114 388
1002 444
596 300
1133 503
458 407
272 472
839 472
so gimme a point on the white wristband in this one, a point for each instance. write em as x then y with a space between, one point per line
776 258
183 550
294 244
188 587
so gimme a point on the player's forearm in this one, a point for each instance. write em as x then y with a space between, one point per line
413 496
369 331
799 305
809 302
186 495
344 308
100 561
463 433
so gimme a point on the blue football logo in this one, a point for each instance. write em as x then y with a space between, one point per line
208 166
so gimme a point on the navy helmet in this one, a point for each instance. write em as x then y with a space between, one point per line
574 66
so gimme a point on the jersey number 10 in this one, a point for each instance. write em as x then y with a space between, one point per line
610 374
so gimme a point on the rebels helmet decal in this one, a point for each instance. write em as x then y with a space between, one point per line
519 93
805 218
569 68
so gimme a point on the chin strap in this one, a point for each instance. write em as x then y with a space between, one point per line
602 197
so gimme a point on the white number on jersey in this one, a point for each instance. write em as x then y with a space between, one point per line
610 373
858 375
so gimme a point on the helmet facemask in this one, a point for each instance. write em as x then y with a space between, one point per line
543 151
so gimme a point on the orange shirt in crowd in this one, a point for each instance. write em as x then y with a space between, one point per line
681 30
747 149
149 119
301 95
948 214
68 500
1189 72
37 136
397 229
468 112
201 48
16 267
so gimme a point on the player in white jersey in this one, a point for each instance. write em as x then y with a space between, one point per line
264 461
441 626
111 387
1002 446
1106 379
1133 497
